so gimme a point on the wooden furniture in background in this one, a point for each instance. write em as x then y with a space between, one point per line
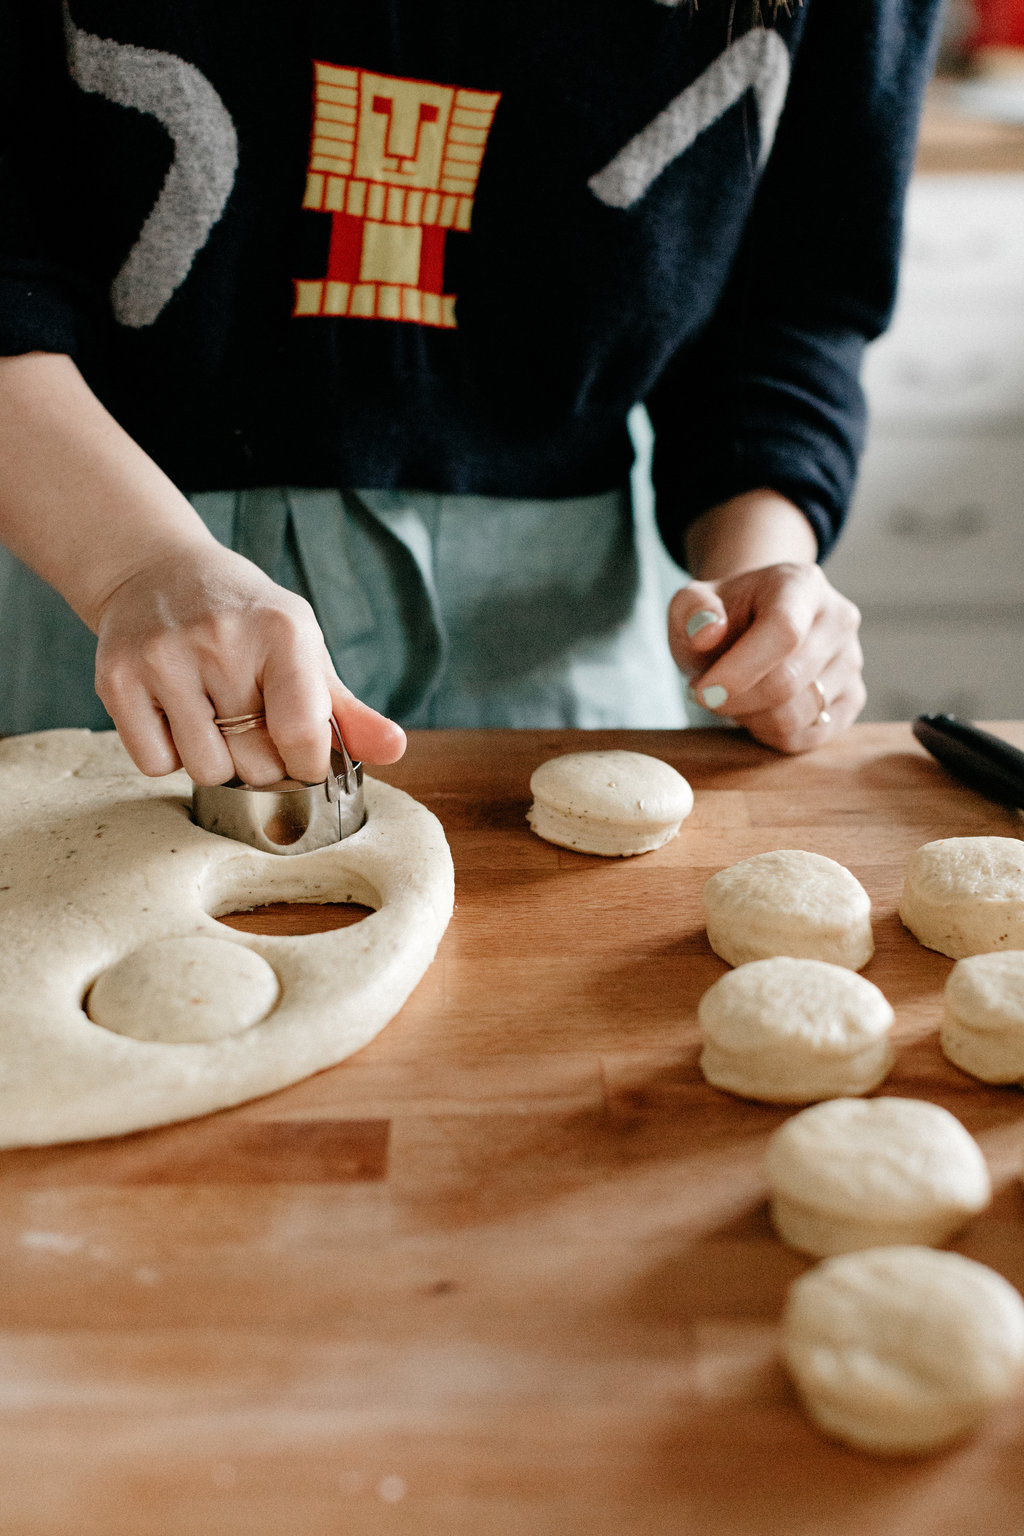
951 142
934 550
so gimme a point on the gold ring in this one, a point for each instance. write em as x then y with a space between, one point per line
823 717
236 725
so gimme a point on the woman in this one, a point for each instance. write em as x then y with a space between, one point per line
254 257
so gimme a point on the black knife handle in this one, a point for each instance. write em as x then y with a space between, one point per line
979 759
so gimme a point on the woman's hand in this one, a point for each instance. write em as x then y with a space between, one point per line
768 643
187 630
203 633
759 646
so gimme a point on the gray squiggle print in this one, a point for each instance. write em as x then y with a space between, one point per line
201 176
759 61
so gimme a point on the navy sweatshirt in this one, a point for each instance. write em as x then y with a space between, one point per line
443 246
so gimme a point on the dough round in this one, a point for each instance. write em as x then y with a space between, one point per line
965 895
982 1030
790 1031
789 902
867 1173
901 1350
184 990
611 803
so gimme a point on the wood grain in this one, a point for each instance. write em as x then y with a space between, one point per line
509 1270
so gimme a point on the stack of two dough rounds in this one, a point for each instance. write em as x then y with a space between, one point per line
791 1031
866 1173
610 803
965 895
900 1350
789 902
982 1029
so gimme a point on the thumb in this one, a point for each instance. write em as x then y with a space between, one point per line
696 625
370 737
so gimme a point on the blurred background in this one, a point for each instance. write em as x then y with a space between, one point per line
933 553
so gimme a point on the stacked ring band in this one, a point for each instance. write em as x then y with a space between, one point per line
823 717
236 725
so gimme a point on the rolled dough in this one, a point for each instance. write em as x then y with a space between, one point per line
105 886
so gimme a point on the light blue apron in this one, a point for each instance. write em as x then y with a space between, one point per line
449 611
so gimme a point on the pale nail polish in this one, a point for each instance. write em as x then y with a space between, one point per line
715 696
699 620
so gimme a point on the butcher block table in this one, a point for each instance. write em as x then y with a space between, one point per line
508 1271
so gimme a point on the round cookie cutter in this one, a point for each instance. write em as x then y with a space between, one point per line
289 816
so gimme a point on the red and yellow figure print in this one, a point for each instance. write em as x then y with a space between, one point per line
395 163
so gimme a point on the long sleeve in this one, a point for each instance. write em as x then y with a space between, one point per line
769 396
159 221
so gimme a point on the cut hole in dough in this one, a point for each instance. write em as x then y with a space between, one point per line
183 991
296 917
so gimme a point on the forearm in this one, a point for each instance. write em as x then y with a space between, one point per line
747 533
80 502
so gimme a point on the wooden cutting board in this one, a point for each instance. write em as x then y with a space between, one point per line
508 1271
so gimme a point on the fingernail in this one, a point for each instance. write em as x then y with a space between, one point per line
715 696
699 620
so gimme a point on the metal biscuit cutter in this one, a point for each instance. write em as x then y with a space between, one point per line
289 816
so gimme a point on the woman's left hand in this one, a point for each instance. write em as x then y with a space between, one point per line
774 649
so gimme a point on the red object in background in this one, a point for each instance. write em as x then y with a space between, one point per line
997 24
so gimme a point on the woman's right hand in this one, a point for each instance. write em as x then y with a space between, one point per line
202 633
187 629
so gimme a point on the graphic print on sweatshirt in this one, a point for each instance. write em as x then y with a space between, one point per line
758 61
393 164
198 184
